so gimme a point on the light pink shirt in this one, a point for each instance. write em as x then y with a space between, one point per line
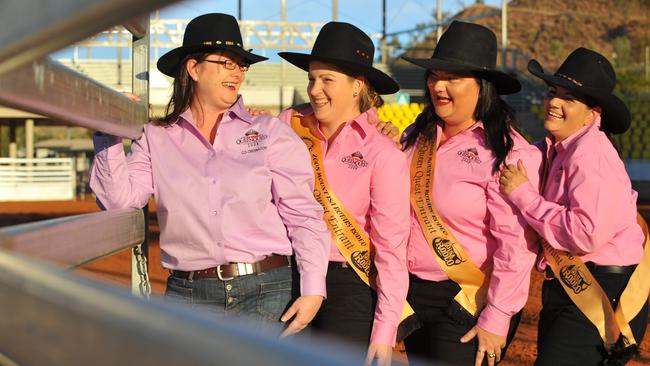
588 206
369 174
244 197
491 231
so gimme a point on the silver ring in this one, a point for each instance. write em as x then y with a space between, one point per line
491 355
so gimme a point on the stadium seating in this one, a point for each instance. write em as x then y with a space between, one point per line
401 115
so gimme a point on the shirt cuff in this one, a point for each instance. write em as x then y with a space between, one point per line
523 195
494 320
103 141
383 333
312 284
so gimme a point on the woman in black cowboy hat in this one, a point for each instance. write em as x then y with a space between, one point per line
469 253
364 190
587 208
233 192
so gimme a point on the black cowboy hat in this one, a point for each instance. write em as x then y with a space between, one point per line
588 73
468 47
349 48
207 32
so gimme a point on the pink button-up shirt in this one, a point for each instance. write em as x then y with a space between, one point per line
369 174
244 197
489 228
588 206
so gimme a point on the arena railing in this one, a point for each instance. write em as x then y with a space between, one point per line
55 317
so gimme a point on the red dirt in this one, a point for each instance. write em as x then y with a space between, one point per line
117 268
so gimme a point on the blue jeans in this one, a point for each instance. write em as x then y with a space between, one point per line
262 297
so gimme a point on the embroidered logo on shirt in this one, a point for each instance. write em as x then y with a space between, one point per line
355 160
469 156
252 139
574 279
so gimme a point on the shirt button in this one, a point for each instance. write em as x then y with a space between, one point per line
229 287
214 181
211 154
214 212
219 244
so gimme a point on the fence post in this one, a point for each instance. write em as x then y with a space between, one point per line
140 83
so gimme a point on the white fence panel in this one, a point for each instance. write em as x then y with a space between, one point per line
49 179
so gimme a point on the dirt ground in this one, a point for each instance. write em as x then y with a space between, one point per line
116 269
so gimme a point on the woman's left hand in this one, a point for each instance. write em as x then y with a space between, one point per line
489 345
382 352
386 128
512 176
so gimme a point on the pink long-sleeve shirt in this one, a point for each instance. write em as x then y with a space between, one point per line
244 197
588 205
489 228
369 175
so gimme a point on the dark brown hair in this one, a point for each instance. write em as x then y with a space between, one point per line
183 91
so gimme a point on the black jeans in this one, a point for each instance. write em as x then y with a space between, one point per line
349 309
438 340
565 335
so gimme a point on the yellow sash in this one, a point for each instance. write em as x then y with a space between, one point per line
350 239
449 253
589 297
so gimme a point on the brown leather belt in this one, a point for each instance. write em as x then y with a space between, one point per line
229 271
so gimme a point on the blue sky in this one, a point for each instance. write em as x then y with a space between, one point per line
365 14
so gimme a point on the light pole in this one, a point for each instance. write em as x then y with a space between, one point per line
504 33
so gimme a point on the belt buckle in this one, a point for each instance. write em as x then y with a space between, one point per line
219 270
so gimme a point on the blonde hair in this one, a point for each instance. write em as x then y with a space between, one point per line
369 98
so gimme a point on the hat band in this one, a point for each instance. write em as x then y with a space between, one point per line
572 80
217 43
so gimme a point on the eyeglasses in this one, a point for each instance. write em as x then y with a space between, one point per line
229 65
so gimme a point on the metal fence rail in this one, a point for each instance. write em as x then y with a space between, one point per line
51 89
57 318
75 240
31 29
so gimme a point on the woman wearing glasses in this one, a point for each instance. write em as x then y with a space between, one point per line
233 192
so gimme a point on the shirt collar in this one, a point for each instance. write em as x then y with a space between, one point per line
571 140
237 110
359 123
476 128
